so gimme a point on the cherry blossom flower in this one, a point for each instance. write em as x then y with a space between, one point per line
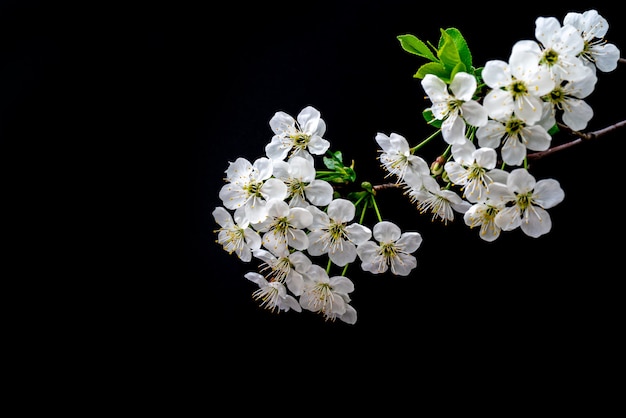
328 295
439 202
272 295
514 136
393 250
297 138
517 86
558 50
597 52
455 108
303 188
237 237
530 200
250 186
332 234
397 159
283 227
483 213
473 169
287 268
567 97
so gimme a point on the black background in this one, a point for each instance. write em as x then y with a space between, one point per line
143 108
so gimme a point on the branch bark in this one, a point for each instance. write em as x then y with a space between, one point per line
581 136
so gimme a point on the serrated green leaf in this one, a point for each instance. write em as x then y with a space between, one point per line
461 46
413 45
433 68
448 53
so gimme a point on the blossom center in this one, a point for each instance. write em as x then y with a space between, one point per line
550 57
300 140
514 126
518 89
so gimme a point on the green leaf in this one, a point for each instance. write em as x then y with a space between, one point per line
334 161
460 67
433 68
339 173
412 44
430 118
448 52
461 46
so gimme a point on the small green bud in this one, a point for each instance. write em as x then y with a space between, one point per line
436 168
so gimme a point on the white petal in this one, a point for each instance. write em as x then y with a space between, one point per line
344 255
319 192
410 241
223 217
386 231
341 210
358 233
537 223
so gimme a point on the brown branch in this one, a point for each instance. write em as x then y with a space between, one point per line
581 136
379 187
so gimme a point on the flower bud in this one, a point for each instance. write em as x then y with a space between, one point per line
436 168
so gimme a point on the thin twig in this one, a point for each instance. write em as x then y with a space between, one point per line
581 136
379 187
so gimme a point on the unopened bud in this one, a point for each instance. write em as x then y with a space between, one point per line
366 185
436 168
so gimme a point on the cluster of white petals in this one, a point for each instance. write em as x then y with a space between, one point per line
283 212
277 212
544 82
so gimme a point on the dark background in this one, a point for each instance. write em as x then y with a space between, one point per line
123 122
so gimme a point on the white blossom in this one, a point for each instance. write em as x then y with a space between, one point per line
530 199
249 186
483 213
456 107
328 295
397 159
272 295
302 138
568 98
287 268
283 227
517 87
393 250
473 169
439 202
333 234
558 49
303 188
597 52
237 237
514 137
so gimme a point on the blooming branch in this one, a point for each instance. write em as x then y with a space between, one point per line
305 225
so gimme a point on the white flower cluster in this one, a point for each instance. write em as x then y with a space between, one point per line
523 97
276 211
285 213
